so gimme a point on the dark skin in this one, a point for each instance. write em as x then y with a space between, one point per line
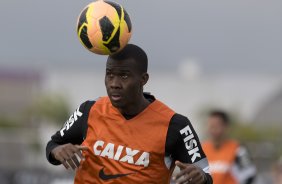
67 154
189 173
124 83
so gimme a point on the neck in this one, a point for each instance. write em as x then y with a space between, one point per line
135 108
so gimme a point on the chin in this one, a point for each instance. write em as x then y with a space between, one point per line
116 104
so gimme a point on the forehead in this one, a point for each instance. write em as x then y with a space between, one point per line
126 64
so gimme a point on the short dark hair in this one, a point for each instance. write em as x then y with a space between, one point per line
135 52
220 114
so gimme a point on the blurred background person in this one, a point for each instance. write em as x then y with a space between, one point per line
229 161
277 172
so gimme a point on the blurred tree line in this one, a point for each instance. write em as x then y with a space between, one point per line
52 108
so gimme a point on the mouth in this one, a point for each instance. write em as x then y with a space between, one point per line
115 97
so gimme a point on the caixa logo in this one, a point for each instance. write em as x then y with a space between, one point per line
121 153
70 121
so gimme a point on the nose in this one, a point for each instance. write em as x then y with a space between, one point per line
115 83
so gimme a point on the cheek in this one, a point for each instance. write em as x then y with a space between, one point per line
132 85
131 89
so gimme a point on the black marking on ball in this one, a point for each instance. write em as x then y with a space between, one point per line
107 28
84 37
116 6
82 18
114 44
127 20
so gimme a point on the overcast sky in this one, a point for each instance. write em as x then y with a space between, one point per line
219 35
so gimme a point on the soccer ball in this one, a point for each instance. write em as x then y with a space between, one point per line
104 27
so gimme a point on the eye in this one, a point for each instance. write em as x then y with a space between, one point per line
109 74
124 76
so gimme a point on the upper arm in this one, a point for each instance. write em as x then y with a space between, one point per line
73 131
183 144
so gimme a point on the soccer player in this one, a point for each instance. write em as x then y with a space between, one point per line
128 136
229 161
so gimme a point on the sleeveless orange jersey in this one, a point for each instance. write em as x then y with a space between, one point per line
125 151
221 160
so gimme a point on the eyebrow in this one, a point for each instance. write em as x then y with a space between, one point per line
120 71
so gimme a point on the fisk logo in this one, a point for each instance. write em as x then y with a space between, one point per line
190 143
70 121
121 153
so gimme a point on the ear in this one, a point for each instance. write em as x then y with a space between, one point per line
145 78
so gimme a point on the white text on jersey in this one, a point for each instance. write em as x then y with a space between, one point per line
190 143
112 152
71 120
